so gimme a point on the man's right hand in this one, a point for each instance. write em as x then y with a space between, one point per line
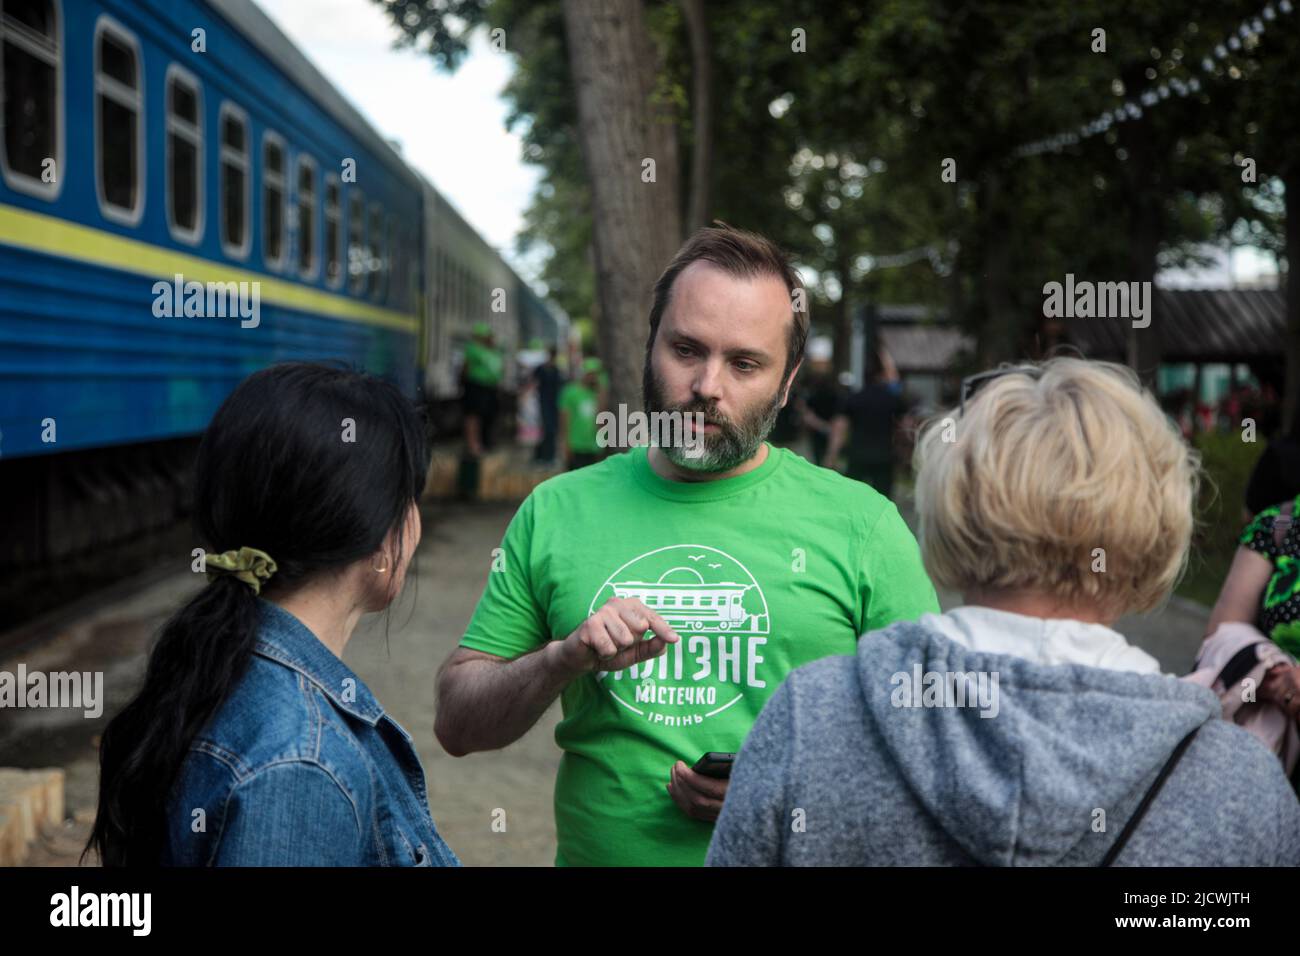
611 639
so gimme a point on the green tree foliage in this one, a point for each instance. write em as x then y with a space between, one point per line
837 151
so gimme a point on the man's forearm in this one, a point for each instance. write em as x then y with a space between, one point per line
486 704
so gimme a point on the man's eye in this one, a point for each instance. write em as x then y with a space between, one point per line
745 366
683 350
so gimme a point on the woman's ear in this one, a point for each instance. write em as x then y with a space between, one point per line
384 571
416 525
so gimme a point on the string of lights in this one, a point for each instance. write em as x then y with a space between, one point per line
1133 109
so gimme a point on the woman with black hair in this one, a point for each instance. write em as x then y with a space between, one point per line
251 742
1276 475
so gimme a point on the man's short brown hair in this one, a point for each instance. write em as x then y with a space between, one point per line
745 255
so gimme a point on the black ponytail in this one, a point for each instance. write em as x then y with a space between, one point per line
314 465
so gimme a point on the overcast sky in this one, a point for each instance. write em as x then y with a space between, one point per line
451 126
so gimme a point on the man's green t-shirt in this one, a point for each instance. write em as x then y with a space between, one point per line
580 402
483 364
758 574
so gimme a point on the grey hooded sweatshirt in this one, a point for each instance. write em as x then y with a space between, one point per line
852 763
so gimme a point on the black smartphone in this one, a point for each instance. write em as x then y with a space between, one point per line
714 764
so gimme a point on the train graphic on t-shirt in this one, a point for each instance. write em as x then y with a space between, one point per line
691 605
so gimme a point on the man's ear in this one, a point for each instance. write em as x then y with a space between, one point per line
785 397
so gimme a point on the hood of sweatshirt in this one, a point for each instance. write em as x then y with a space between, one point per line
1042 640
1013 757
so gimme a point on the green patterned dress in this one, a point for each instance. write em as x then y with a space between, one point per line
1279 612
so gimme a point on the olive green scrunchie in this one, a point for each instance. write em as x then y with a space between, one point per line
247 564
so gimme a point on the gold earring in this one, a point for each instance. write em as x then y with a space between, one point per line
373 568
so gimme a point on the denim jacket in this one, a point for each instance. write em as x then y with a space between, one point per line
301 767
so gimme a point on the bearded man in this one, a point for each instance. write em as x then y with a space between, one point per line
666 592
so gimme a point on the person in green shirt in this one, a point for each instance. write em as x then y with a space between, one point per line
580 400
480 380
665 593
484 364
481 376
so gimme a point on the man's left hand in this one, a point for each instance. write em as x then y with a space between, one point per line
697 796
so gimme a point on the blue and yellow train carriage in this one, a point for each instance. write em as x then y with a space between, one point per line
151 140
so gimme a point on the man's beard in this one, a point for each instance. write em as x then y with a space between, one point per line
731 446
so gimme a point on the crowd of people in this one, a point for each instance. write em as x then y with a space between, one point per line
748 648
556 413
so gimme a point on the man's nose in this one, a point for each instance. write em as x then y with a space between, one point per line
708 383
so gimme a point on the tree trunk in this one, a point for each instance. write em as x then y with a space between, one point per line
1291 391
1004 328
700 201
1143 345
1142 351
636 224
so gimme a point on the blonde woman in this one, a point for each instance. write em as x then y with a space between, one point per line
1020 729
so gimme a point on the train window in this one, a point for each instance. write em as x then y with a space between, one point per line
273 199
376 264
449 285
384 249
396 264
333 231
439 280
394 246
444 281
184 155
119 123
307 258
358 256
234 181
412 268
31 86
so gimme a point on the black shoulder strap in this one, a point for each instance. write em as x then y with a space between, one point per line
1239 665
1149 796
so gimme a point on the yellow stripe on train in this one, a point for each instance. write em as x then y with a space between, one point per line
58 237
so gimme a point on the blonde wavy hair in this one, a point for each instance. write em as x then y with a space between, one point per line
1043 469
